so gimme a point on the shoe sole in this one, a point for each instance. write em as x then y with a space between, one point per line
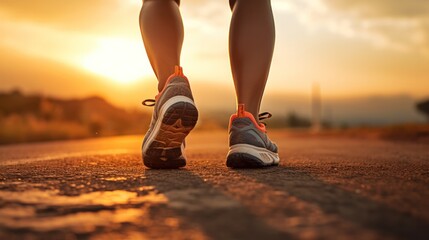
163 148
248 156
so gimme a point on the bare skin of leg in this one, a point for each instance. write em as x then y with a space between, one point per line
162 31
251 46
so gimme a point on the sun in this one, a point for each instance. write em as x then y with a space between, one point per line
120 60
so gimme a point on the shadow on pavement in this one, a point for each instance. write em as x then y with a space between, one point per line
198 204
348 205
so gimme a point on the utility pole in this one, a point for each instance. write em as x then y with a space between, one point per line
316 107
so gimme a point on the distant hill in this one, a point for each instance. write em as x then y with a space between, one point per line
26 118
219 103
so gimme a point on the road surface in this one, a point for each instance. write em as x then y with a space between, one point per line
324 188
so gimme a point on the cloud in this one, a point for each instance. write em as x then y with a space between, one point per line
206 16
394 24
67 31
76 15
206 29
108 17
381 8
45 42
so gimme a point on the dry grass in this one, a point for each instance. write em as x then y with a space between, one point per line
17 129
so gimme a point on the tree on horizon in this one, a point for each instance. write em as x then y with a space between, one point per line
423 107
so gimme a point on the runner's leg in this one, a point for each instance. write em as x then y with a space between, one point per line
251 45
162 31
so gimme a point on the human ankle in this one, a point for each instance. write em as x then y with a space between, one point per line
243 108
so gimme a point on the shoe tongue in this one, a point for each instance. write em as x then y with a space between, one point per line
240 110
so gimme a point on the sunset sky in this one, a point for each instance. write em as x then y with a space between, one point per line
350 48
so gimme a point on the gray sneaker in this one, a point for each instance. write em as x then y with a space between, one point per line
249 145
174 116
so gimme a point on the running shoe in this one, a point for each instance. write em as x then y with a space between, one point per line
174 116
249 145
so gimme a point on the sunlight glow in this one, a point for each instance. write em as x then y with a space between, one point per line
121 60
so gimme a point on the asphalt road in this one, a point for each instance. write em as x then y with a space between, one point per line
324 188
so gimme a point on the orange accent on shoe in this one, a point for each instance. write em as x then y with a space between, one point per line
240 110
242 113
178 72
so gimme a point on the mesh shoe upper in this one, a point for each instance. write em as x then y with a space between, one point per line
244 129
176 85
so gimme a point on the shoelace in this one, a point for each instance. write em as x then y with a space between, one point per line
149 102
264 115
